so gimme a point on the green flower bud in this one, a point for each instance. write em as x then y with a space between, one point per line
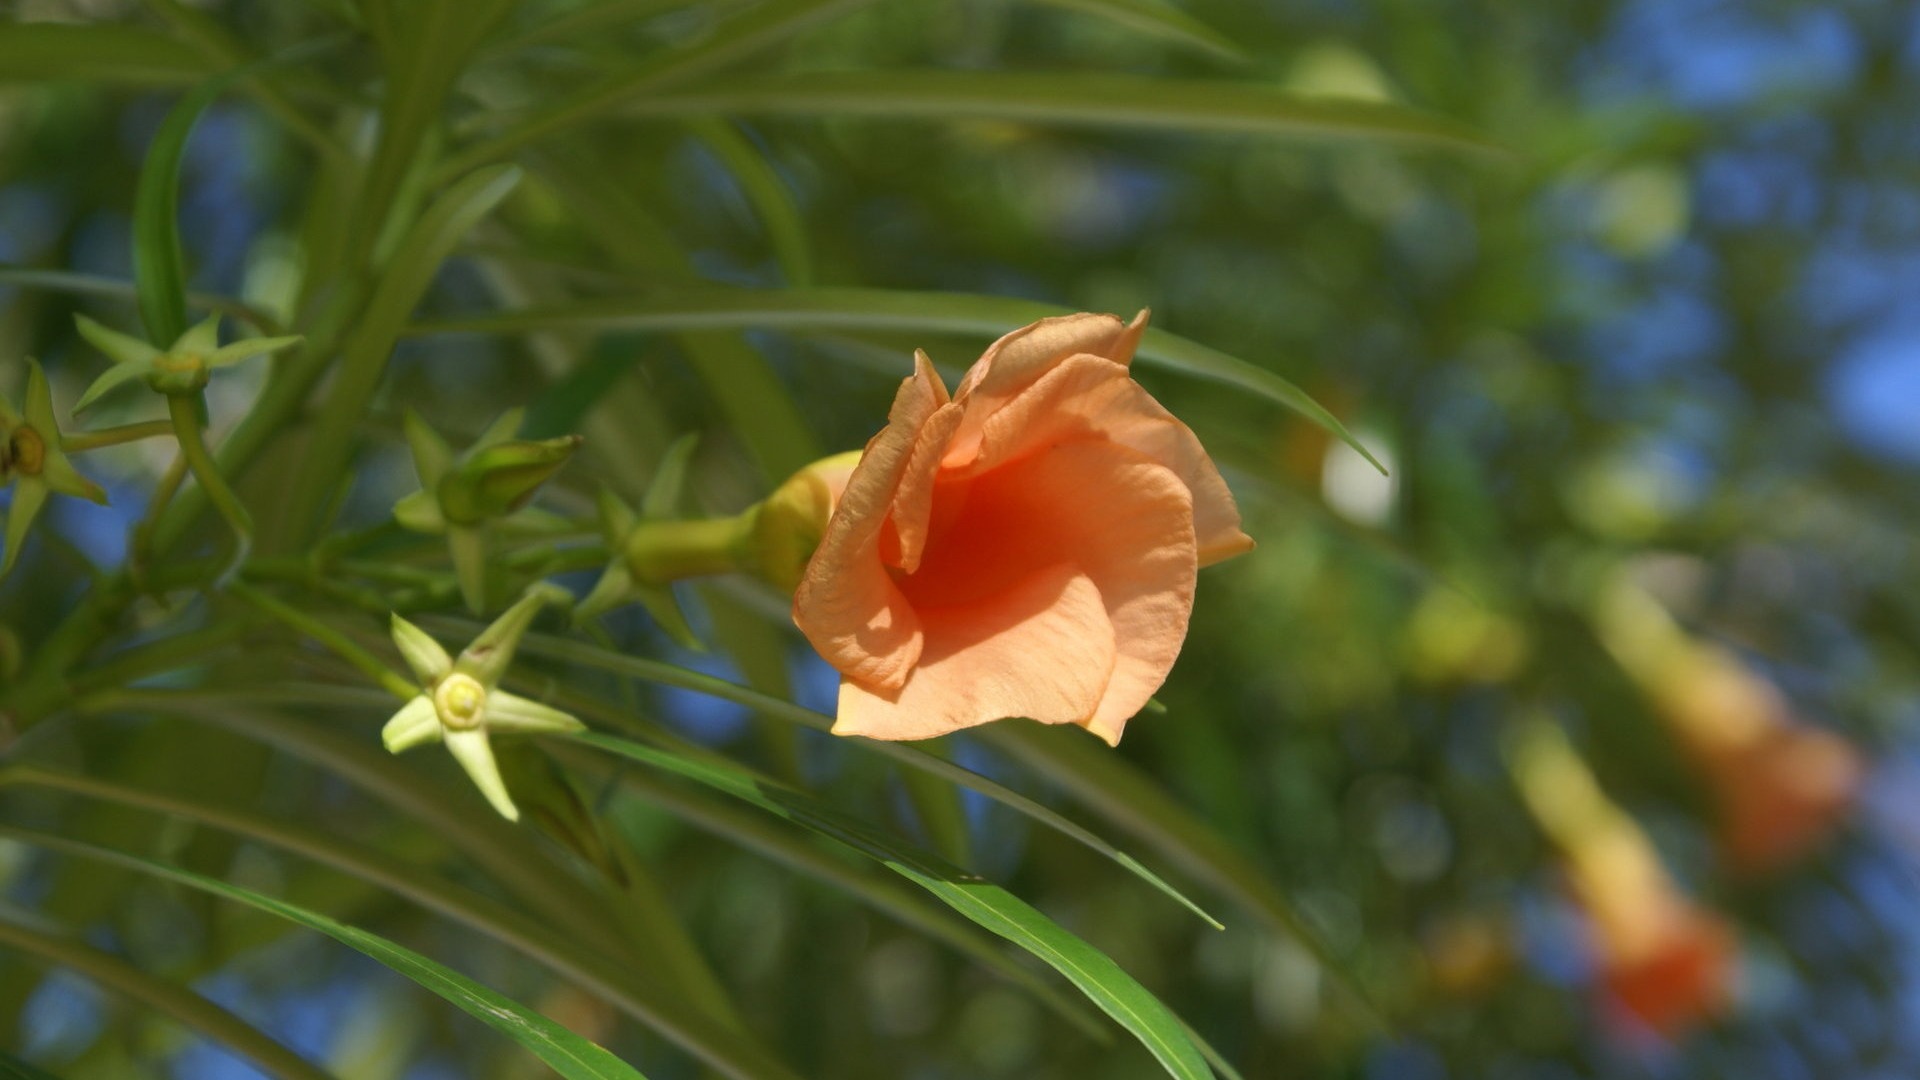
788 525
500 479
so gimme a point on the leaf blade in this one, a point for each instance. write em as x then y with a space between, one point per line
568 1054
993 908
883 309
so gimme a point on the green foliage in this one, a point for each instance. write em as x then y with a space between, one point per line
685 248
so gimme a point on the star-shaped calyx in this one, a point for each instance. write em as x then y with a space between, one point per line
182 368
460 496
460 702
33 458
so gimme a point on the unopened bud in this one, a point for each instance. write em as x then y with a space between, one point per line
788 525
502 478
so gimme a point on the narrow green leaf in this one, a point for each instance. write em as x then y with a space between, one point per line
159 268
1161 20
569 954
761 27
788 848
907 754
1077 98
177 1002
767 193
1131 801
1097 976
882 309
94 285
99 52
569 1055
363 358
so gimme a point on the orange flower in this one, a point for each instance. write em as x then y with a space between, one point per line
1664 961
1026 547
1781 787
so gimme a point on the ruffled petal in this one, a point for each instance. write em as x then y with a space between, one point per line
1021 358
1088 397
1123 519
1041 649
846 604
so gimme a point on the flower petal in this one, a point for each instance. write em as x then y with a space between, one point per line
423 654
416 724
120 348
1088 397
514 714
1042 649
108 381
846 604
1126 521
29 495
475 754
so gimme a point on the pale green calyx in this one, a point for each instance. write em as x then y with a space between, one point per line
460 702
182 368
461 495
33 458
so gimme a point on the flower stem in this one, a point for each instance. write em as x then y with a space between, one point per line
79 442
184 409
367 663
663 551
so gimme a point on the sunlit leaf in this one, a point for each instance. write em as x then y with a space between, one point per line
999 911
1079 99
882 309
568 1054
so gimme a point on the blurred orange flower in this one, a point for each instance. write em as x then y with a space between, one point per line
1664 962
1780 786
1026 547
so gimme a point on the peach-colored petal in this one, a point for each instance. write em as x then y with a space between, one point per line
1090 397
1022 357
913 506
1041 649
1125 520
846 604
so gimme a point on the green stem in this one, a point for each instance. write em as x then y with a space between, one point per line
181 1004
367 663
79 442
184 409
662 551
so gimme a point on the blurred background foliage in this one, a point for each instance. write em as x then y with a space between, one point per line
1579 745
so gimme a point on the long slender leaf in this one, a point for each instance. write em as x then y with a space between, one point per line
759 28
767 193
569 1055
1097 976
96 53
1159 19
94 285
1079 99
568 955
177 1002
364 354
884 894
159 267
881 309
907 754
1121 794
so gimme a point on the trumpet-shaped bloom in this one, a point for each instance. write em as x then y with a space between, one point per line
1024 547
